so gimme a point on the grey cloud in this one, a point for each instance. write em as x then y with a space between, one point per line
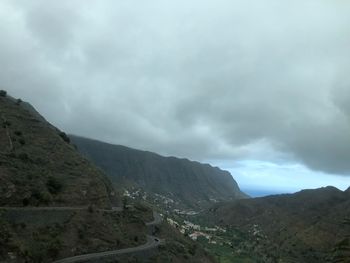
199 79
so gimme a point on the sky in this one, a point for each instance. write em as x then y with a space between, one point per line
260 88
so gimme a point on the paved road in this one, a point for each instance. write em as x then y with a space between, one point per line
157 219
152 242
58 208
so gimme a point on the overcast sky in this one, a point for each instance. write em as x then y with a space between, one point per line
223 81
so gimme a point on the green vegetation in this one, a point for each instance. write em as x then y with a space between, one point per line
42 236
179 248
64 137
45 243
3 93
341 251
37 160
54 185
5 232
302 227
226 246
40 168
22 141
224 254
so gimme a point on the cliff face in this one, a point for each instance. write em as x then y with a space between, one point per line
38 165
189 182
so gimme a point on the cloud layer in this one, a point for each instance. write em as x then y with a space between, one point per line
203 79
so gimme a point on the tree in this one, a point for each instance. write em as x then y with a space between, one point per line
3 93
64 137
125 202
54 185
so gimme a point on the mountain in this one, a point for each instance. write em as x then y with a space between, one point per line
55 204
308 226
39 166
180 181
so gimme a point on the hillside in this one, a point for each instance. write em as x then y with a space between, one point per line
308 226
55 204
180 181
44 186
38 165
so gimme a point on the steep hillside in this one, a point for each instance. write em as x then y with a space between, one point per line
187 183
38 165
55 204
52 200
309 226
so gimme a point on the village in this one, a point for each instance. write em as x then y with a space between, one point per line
229 242
195 231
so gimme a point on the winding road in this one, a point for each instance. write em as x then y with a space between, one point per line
152 242
157 219
58 208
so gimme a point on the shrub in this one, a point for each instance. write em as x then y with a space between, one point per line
37 194
64 137
18 133
91 209
12 155
81 233
41 196
35 251
25 202
4 232
18 101
22 141
54 185
54 247
45 197
23 157
7 123
3 93
192 249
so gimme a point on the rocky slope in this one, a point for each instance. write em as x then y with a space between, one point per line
308 226
39 166
188 183
54 203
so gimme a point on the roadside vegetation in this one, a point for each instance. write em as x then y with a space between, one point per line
44 236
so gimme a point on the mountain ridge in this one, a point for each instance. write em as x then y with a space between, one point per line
56 204
191 182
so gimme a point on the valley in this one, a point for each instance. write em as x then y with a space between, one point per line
71 199
55 204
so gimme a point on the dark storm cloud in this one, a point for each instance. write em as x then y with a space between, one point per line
202 79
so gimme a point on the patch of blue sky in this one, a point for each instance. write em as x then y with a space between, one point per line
259 178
